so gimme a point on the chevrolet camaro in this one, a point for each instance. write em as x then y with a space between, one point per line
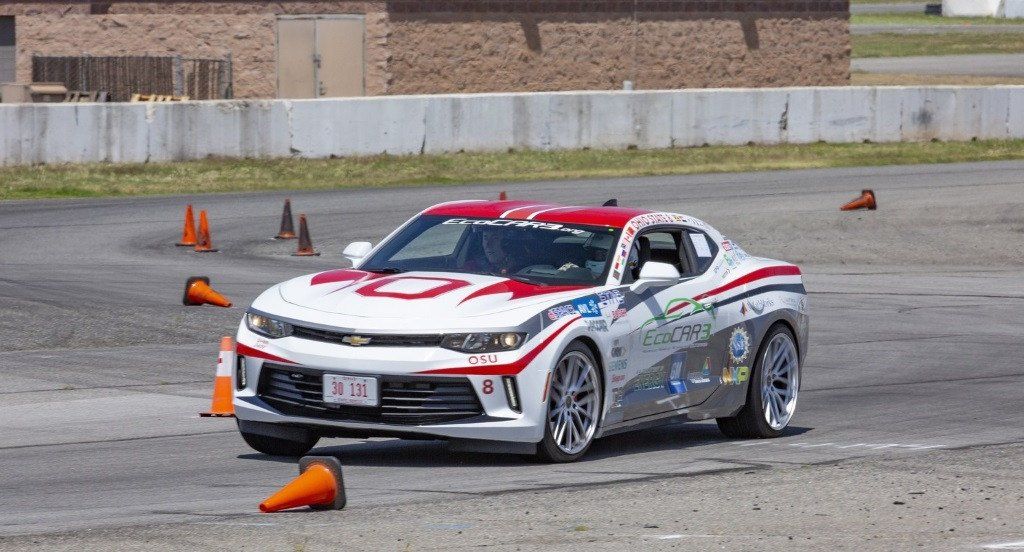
524 328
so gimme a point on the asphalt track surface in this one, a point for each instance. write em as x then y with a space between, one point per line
996 65
905 436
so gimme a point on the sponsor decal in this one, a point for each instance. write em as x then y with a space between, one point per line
739 345
597 325
261 343
618 378
618 351
515 224
758 305
610 296
618 365
797 304
676 384
704 375
689 333
726 245
587 306
554 313
652 378
735 375
483 359
619 313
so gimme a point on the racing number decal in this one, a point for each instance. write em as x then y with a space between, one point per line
488 387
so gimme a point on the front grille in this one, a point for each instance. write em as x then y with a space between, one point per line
404 400
379 340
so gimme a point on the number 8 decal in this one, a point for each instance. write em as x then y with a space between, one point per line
488 387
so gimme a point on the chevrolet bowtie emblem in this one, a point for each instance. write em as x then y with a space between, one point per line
355 340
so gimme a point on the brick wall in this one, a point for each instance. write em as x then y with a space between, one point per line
509 45
433 46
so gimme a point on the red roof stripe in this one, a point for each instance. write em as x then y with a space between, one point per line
561 214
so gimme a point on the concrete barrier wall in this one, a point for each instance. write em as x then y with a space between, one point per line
80 133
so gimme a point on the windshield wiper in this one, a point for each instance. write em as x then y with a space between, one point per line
385 270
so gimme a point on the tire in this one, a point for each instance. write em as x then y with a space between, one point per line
277 446
570 404
753 421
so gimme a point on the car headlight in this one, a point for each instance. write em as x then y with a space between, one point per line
266 326
483 342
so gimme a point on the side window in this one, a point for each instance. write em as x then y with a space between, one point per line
703 250
663 246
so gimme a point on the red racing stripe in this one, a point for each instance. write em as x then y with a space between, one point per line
246 350
510 369
754 276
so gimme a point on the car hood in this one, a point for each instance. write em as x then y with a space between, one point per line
417 295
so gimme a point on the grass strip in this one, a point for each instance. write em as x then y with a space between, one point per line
898 45
212 175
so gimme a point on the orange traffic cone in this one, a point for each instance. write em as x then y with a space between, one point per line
221 406
287 231
866 200
305 243
319 486
188 234
199 292
204 245
502 196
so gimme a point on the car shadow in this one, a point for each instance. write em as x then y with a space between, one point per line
407 453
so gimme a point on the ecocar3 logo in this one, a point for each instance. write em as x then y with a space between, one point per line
689 332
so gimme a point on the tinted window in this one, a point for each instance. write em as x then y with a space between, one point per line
539 252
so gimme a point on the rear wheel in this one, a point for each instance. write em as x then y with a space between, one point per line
277 446
573 408
772 391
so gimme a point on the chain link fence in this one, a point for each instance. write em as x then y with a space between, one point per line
122 76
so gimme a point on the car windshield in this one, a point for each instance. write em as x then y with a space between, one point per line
541 253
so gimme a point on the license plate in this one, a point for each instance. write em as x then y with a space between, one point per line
350 390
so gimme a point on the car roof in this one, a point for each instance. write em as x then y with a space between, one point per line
540 212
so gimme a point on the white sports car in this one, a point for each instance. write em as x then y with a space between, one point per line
510 326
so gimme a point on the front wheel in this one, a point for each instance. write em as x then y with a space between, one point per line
573 406
772 392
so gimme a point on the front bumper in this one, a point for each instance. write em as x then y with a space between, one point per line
285 389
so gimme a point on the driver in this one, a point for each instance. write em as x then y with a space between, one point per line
498 257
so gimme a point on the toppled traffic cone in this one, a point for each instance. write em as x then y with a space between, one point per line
188 234
287 231
199 292
305 243
221 406
502 196
204 245
319 486
865 201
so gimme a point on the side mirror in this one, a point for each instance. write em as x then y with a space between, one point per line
655 274
357 251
